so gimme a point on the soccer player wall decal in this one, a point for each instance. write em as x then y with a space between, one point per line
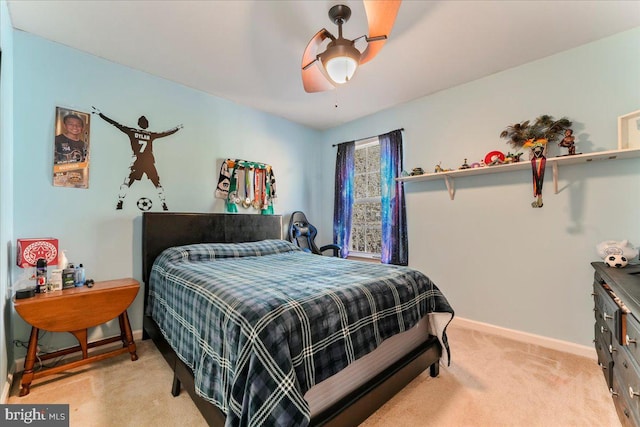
143 161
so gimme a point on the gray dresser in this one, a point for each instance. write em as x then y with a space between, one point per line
616 295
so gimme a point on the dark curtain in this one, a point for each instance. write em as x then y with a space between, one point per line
395 247
343 198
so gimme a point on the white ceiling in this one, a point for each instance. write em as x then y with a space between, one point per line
250 52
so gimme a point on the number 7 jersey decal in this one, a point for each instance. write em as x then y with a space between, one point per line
143 161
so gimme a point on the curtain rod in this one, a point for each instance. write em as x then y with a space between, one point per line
372 136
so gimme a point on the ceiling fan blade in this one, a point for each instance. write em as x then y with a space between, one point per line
313 77
381 15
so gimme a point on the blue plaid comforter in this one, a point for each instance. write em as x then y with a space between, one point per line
260 323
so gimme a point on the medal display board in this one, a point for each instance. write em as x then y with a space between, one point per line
246 184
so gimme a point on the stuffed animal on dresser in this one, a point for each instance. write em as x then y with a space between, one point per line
616 253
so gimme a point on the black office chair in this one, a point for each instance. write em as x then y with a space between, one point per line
303 234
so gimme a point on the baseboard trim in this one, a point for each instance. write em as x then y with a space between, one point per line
18 364
552 343
6 389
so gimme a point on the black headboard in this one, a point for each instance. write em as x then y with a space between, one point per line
162 230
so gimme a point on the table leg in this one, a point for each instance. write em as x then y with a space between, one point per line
123 337
81 336
125 328
29 362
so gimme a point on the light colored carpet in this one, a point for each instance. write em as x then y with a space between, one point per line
492 381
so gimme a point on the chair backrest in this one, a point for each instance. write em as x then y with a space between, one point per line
302 233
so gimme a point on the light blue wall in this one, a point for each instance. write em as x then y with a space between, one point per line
86 223
6 192
498 260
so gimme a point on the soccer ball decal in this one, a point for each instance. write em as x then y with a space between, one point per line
616 260
144 203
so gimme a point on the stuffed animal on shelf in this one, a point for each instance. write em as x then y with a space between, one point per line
616 253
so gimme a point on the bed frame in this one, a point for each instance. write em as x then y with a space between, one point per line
161 230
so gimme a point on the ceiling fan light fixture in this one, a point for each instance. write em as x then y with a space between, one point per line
340 61
341 69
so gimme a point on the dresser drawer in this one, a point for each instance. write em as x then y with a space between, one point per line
632 338
627 372
608 312
605 359
621 401
603 331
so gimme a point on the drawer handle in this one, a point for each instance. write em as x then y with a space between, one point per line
632 393
604 368
613 393
603 329
630 340
606 316
593 294
612 349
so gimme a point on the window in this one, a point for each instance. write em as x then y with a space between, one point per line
366 226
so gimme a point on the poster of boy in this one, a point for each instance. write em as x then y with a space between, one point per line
71 149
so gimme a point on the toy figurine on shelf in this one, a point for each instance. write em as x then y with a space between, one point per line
569 141
512 158
417 171
439 168
465 165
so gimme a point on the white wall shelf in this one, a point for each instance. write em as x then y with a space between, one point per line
554 162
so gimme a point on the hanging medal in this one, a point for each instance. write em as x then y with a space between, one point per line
538 163
267 208
233 198
247 200
265 197
538 166
256 188
236 182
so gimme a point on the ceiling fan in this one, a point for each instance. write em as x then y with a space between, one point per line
337 64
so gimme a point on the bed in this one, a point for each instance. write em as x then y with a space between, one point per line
259 332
